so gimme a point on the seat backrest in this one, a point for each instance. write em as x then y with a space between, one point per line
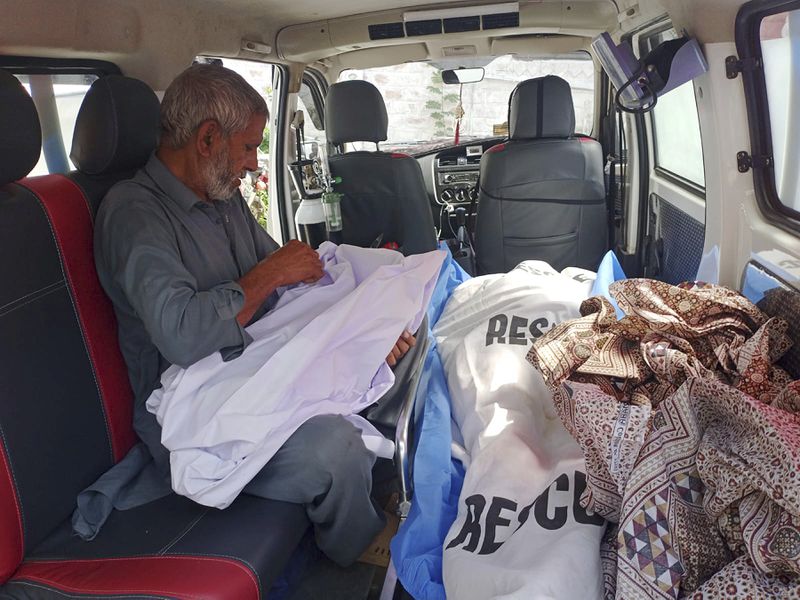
542 193
116 131
65 398
384 193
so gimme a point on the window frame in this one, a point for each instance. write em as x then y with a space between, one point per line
30 65
280 85
748 48
33 65
316 83
688 185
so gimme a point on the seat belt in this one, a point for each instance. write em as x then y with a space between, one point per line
473 204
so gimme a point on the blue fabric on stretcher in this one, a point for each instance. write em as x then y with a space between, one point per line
417 547
608 272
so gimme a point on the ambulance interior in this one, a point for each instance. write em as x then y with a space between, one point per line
603 399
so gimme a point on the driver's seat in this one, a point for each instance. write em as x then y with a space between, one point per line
384 194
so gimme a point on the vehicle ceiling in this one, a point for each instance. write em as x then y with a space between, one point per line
154 39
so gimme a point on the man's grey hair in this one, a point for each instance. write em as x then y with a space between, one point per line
204 92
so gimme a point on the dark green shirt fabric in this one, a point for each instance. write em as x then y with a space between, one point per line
169 261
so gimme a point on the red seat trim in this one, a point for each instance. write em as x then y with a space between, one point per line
184 577
71 221
12 548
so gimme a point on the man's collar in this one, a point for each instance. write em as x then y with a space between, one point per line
172 187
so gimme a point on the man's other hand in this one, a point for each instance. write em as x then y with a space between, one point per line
293 263
404 343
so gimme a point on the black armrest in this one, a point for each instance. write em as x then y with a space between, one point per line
385 412
393 414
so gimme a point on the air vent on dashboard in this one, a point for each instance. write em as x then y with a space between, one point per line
448 161
386 31
428 27
501 20
459 24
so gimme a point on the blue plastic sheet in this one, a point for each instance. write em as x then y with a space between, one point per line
437 478
608 272
757 283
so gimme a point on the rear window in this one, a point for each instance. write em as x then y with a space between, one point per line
779 37
58 99
767 61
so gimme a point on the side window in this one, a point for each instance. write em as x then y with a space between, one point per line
313 127
255 185
780 43
676 128
58 99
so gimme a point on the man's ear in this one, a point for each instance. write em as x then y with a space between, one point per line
208 134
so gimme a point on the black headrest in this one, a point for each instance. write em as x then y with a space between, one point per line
20 132
117 126
355 112
541 108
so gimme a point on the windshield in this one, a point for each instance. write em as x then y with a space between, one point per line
422 109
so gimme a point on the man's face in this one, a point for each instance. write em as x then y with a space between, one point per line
236 154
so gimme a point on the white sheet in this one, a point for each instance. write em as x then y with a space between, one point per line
520 532
321 350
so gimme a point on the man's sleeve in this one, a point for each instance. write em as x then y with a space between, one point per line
142 256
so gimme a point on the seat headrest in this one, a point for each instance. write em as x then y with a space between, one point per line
117 126
541 108
20 131
355 112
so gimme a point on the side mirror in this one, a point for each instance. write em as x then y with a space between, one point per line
459 76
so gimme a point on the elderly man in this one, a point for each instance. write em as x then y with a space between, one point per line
187 267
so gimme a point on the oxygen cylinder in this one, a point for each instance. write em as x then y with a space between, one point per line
310 221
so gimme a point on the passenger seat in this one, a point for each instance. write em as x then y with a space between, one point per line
542 193
65 399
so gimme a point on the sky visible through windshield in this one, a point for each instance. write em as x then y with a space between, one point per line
422 109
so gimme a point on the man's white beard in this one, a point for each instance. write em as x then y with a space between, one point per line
220 175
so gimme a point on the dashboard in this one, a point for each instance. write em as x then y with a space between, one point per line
451 176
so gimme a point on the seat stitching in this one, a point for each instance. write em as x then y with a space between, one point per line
89 590
15 493
237 561
115 127
55 288
78 318
183 534
33 293
66 595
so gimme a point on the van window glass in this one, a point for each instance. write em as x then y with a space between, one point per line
58 99
313 133
780 49
676 124
422 109
677 135
255 186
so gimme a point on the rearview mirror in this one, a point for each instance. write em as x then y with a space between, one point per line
462 75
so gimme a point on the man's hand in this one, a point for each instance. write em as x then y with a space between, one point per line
404 343
293 263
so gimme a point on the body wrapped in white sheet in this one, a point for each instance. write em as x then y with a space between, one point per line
520 532
320 350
